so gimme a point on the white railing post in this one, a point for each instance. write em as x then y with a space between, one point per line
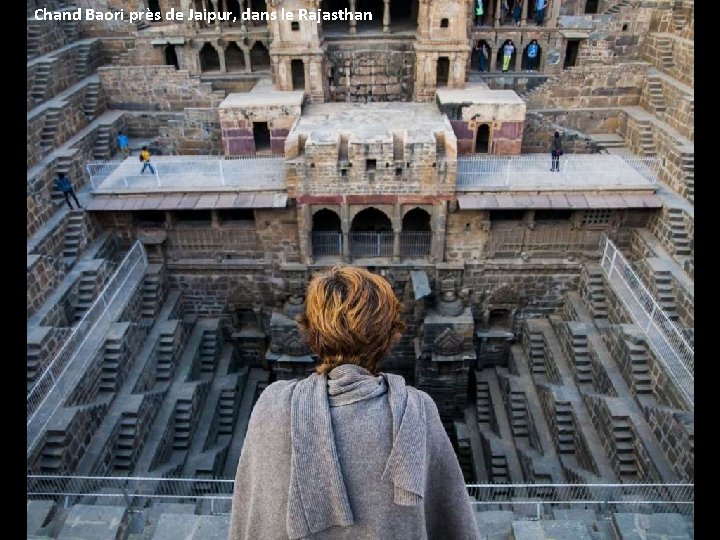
157 174
222 172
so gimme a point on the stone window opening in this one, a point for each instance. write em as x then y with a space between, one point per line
326 234
371 234
171 58
259 57
404 15
513 57
571 53
499 318
343 155
377 8
506 215
553 216
596 217
295 26
591 6
297 68
625 27
444 23
482 139
476 62
261 136
209 58
192 217
530 64
154 6
443 71
416 234
371 164
234 57
244 216
149 218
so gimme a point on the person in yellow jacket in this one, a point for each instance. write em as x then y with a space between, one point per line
145 158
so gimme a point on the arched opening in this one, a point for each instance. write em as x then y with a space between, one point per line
499 318
259 6
332 6
507 47
209 58
443 71
591 6
171 58
234 58
233 6
154 6
403 15
482 139
297 68
371 234
259 57
531 56
376 7
326 233
480 57
416 235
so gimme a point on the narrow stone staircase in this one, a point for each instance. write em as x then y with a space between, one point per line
680 20
666 54
81 62
596 291
688 169
535 350
565 427
499 469
112 356
125 443
74 235
52 452
34 34
581 357
71 29
101 144
657 100
92 98
626 462
518 415
666 293
208 351
227 411
678 232
85 294
640 371
647 142
47 137
182 424
165 357
40 82
483 404
33 362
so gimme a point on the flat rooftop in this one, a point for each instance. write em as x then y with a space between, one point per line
370 122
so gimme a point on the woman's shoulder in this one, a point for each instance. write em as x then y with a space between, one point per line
275 398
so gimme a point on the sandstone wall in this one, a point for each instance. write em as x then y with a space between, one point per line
195 131
158 88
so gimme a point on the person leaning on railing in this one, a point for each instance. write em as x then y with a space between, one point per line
349 452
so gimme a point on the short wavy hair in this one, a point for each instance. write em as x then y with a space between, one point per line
351 317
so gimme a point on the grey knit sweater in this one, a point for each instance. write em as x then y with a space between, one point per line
348 456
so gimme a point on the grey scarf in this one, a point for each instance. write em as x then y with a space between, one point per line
318 498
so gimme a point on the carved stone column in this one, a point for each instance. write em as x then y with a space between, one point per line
498 12
523 20
386 16
353 22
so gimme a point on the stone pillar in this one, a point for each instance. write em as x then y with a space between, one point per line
423 14
386 16
523 20
493 60
498 12
397 229
221 55
345 225
353 22
437 226
246 53
554 14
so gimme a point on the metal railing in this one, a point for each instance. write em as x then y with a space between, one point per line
642 497
576 171
371 244
56 382
415 243
326 243
171 173
662 335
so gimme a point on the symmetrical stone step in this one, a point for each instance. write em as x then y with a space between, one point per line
657 100
92 98
227 408
678 231
499 469
101 145
85 294
518 414
596 291
182 424
74 235
647 142
665 293
483 403
615 8
81 62
534 347
688 170
639 369
125 443
664 46
40 82
112 356
165 352
34 34
47 136
208 351
565 427
626 462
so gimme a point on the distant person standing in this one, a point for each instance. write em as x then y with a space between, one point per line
517 12
63 184
479 13
505 8
145 159
556 151
508 50
532 53
483 54
540 11
123 143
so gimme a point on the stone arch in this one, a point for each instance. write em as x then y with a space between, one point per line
504 295
234 57
416 219
326 219
513 58
371 220
171 58
259 57
209 58
526 63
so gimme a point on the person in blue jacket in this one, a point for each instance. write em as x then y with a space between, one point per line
62 182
